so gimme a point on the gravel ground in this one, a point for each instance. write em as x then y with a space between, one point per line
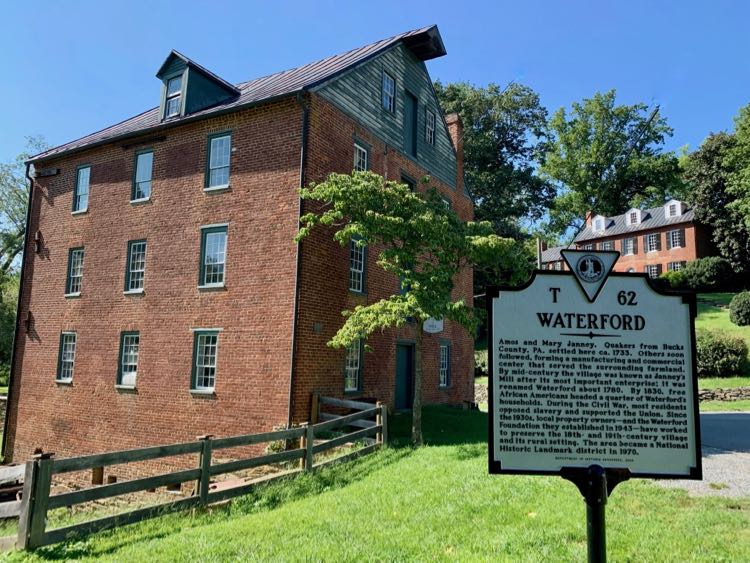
726 456
725 473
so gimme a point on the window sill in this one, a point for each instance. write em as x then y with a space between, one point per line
133 292
64 381
212 287
80 211
73 295
352 392
444 387
125 387
222 188
203 392
140 201
677 248
358 293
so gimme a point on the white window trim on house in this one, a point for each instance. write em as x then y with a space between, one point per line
628 246
356 267
652 242
361 158
131 344
71 361
353 367
599 224
205 389
676 266
608 245
444 366
652 270
675 205
678 234
633 217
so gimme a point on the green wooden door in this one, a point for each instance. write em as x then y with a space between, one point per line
410 124
404 376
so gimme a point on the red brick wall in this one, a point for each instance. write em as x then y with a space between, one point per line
324 283
694 247
255 310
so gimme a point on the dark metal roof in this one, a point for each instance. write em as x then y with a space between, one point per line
553 254
424 42
650 219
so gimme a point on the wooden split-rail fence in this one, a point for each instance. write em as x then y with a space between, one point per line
371 421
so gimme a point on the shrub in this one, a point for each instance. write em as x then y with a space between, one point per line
480 363
720 354
4 374
709 274
739 309
672 280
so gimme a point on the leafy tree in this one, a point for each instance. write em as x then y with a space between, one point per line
421 242
14 193
504 135
8 300
707 171
606 158
738 161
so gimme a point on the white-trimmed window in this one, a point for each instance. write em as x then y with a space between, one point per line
360 158
389 92
676 238
633 217
653 242
589 246
173 104
219 155
673 208
144 165
653 270
67 357
445 365
75 272
129 350
676 266
213 255
429 127
353 367
135 275
81 193
357 254
629 246
599 223
205 360
608 245
558 265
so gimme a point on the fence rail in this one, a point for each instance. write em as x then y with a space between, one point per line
37 499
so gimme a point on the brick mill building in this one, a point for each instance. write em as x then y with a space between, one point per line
163 296
654 241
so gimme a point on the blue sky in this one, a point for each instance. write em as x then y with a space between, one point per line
73 67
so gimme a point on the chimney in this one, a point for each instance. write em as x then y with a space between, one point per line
589 217
456 131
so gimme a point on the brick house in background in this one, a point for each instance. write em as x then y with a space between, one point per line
162 294
551 258
653 241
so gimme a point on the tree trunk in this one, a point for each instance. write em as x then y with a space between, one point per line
416 424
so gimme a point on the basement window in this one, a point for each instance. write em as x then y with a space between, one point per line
173 103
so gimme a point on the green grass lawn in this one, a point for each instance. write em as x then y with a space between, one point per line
724 406
713 314
434 503
723 382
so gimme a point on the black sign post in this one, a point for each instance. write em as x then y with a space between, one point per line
593 378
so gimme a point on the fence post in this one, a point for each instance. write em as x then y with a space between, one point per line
384 422
205 467
379 422
309 442
315 408
303 445
37 518
27 504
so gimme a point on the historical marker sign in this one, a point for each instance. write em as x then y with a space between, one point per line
589 368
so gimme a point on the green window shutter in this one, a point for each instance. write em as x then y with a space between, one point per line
410 124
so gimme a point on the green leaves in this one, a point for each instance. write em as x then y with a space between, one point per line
606 158
419 240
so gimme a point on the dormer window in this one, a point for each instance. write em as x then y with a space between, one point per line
673 208
633 217
174 97
599 223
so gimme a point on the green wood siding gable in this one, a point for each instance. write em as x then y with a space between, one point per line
203 92
358 93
